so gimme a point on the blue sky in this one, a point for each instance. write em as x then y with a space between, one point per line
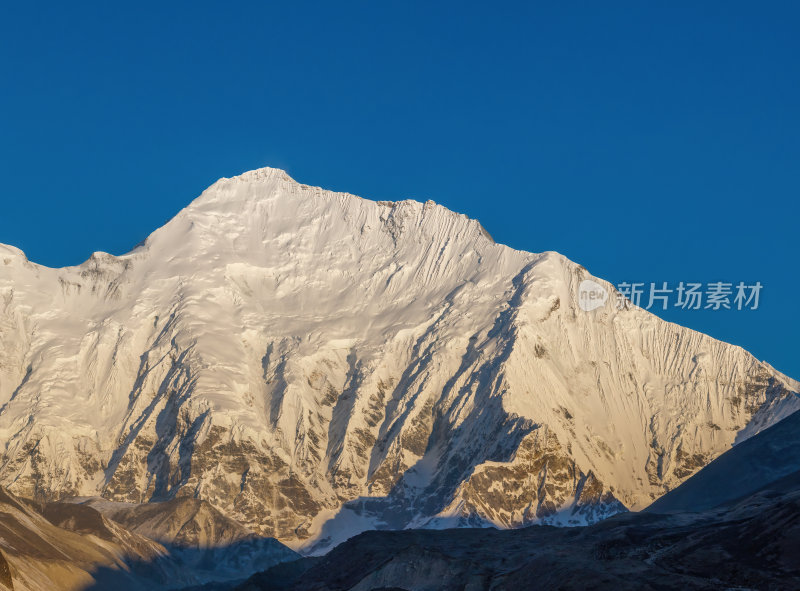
646 141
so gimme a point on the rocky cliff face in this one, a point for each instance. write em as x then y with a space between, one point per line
315 364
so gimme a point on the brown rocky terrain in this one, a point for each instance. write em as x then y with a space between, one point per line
74 546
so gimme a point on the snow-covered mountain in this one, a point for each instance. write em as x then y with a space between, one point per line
314 364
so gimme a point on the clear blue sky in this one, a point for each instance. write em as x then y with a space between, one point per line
647 141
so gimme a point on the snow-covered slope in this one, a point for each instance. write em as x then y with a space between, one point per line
313 364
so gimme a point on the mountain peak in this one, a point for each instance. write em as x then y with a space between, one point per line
266 206
263 174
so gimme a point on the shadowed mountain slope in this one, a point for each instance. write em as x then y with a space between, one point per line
769 456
